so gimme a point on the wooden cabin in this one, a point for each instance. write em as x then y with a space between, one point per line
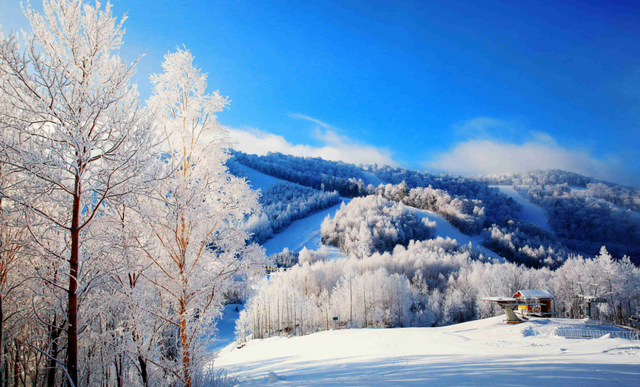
535 302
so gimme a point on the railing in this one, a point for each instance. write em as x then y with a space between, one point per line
576 333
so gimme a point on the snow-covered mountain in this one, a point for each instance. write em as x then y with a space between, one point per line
538 219
380 247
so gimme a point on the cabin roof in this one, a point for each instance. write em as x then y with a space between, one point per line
534 293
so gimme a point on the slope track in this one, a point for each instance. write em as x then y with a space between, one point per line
530 212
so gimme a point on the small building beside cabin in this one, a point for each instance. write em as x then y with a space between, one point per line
536 302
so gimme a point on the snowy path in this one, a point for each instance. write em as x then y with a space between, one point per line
445 229
530 212
486 352
303 232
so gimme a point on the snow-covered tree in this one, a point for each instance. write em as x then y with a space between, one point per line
195 214
373 223
76 134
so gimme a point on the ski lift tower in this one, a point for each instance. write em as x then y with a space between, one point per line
586 300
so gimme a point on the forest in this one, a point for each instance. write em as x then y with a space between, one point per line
429 283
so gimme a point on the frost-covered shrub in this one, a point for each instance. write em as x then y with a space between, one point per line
313 256
373 224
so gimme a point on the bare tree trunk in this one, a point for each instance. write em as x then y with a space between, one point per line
143 371
364 293
16 365
5 381
117 362
350 304
54 333
72 330
186 360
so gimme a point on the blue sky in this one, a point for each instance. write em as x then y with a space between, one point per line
462 87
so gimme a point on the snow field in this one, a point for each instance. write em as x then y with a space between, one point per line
530 212
483 352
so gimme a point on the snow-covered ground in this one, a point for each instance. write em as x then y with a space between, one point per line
530 212
485 352
257 180
303 232
445 229
370 178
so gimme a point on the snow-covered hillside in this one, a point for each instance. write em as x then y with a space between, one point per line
257 180
530 212
485 352
445 230
370 178
303 233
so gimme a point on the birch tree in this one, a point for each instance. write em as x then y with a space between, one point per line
196 211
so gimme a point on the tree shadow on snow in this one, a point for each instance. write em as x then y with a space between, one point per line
453 370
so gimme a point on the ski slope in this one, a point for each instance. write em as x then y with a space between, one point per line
445 230
370 178
303 232
306 233
257 180
480 353
530 212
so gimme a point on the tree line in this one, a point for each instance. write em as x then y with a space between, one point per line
428 283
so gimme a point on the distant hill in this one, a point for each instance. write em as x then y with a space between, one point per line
582 214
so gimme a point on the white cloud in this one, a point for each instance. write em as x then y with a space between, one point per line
484 127
335 147
539 151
